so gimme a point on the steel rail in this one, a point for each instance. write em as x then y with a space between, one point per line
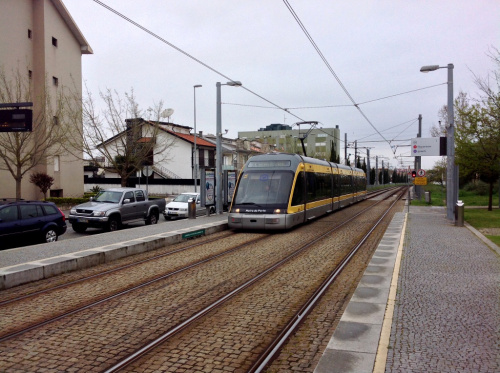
124 292
297 319
101 274
171 332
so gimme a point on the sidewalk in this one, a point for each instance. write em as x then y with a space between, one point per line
433 307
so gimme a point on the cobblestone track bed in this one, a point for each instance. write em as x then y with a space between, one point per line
52 282
94 339
19 315
304 349
232 337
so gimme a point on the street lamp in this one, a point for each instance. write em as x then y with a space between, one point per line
451 172
195 160
218 150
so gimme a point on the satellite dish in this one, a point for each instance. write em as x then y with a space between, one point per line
167 113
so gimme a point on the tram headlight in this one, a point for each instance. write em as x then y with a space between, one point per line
277 211
236 211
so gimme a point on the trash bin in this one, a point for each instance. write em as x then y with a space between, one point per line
191 208
428 197
460 214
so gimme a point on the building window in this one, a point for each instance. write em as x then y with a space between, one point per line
55 81
54 42
30 74
56 163
29 34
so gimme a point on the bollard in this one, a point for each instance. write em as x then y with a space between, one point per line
191 208
428 197
459 214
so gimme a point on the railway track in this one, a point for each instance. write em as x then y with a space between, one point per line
251 256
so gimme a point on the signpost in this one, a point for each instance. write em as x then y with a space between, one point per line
434 146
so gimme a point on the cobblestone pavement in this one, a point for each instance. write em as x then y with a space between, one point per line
447 314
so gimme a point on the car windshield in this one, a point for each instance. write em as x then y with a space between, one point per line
184 197
107 196
261 188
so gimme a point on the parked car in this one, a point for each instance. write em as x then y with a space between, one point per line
111 208
25 221
178 208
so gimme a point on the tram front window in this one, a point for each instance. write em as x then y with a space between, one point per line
264 188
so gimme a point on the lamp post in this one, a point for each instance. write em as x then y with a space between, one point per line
451 172
218 149
195 160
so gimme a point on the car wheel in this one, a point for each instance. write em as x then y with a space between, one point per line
152 219
113 225
50 235
79 228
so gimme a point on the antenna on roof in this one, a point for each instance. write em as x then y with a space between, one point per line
167 113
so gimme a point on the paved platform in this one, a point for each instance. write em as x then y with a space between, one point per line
429 301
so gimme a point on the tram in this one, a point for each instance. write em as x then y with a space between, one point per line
277 191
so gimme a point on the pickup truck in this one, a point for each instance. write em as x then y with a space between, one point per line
111 208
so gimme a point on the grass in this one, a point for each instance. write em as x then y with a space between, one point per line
477 217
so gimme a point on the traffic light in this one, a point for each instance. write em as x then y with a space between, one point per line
414 173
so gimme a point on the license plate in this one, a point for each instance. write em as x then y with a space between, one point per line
172 213
82 220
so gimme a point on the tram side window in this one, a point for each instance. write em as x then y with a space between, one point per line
298 192
311 186
336 185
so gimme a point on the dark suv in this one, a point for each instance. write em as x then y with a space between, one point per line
21 221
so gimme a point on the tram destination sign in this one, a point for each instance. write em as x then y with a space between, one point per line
433 146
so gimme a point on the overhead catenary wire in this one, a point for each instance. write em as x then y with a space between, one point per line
331 69
190 56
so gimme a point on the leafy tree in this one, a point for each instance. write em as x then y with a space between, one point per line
477 136
438 173
334 157
42 181
21 152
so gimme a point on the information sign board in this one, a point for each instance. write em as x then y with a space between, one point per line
420 181
433 146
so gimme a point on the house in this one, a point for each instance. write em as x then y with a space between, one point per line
172 149
40 40
236 152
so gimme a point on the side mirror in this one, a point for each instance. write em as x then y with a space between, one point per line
126 200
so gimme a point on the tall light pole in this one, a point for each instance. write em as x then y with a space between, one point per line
451 172
218 150
195 156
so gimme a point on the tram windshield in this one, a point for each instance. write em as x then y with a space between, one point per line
264 188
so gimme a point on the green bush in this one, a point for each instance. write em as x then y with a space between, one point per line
478 187
66 201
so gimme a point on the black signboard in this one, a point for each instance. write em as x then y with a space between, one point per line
16 120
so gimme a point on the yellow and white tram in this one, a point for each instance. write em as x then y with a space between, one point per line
277 191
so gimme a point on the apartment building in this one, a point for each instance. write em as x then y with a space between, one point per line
317 141
40 41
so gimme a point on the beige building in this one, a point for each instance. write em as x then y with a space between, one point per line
40 39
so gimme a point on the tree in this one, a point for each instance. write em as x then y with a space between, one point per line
437 174
126 137
477 136
21 152
334 157
42 181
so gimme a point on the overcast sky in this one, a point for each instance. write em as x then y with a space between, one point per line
375 48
